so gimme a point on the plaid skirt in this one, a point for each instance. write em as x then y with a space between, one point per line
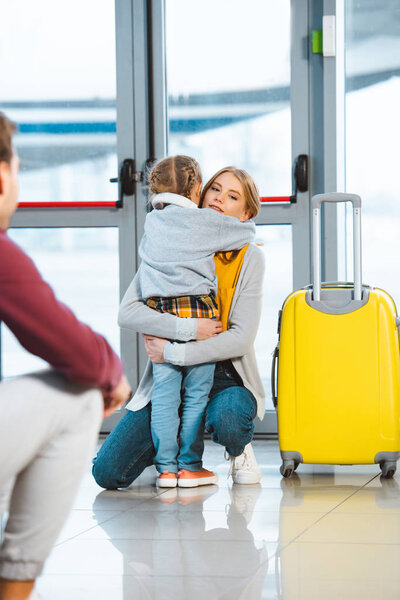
187 306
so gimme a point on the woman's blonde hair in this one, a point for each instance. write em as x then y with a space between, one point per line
175 174
250 189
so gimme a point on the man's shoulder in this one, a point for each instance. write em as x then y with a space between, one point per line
14 262
9 247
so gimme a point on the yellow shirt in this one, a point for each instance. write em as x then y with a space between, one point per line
227 269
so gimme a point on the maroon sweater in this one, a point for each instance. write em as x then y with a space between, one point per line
48 328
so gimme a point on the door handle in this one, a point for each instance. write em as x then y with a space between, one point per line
127 179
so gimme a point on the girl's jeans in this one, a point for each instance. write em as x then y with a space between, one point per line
129 449
178 439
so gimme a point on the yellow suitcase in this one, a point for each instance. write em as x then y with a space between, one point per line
338 368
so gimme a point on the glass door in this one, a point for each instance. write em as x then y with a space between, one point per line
66 142
236 77
69 89
225 82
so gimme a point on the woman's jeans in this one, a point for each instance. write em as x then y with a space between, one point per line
178 435
129 449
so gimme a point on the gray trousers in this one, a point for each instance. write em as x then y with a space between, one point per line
48 427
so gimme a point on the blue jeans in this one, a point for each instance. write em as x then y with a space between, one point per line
178 439
129 449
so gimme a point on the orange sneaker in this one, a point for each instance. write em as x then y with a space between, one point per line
194 478
167 480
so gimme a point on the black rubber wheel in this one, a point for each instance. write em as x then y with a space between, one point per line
287 468
388 469
389 474
287 473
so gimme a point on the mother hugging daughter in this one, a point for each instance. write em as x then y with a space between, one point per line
174 296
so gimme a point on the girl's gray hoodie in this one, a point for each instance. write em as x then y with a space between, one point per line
178 247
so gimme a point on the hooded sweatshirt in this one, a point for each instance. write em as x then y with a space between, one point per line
178 247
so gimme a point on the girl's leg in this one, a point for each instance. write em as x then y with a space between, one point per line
197 384
126 452
229 418
165 402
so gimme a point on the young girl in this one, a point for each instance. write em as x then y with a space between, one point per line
177 275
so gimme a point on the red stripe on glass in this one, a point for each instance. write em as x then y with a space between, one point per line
105 204
264 199
113 203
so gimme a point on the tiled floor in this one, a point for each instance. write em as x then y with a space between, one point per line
326 533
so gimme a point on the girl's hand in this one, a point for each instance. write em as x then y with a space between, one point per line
154 348
207 328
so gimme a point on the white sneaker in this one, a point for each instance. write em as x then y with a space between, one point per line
244 468
244 499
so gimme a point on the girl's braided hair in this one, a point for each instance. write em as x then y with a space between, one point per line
175 174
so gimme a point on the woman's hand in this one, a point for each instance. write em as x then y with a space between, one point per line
154 348
207 328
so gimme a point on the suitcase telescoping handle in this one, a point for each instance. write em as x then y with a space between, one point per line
316 211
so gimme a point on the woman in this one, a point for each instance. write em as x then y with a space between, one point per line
237 395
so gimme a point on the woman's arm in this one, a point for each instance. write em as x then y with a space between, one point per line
243 324
134 314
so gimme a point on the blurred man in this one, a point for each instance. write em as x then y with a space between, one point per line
49 420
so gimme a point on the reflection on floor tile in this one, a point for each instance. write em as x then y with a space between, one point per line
79 587
149 586
327 532
212 557
371 516
346 571
83 520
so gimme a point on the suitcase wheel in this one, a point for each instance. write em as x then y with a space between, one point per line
388 469
288 467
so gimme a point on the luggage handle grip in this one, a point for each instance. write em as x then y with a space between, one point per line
332 284
335 197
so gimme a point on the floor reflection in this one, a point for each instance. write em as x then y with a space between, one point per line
351 552
180 557
327 533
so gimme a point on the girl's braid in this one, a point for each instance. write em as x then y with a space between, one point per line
176 174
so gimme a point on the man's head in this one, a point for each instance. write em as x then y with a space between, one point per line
9 165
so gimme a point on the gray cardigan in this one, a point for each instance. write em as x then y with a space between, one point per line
178 247
236 343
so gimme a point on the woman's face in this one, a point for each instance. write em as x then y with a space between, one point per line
226 196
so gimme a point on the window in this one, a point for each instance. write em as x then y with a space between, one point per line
61 89
228 75
81 265
373 133
276 243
